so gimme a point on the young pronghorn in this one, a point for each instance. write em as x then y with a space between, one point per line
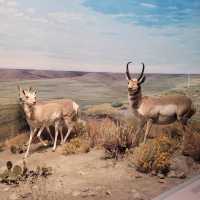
40 115
156 110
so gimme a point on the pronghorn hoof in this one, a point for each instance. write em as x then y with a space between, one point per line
53 150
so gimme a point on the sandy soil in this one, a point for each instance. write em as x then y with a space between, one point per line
83 176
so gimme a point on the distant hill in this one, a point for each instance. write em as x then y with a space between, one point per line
25 74
16 74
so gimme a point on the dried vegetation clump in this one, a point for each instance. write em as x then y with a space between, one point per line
154 155
114 137
18 140
76 145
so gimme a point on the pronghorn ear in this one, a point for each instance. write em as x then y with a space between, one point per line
142 80
24 92
19 88
30 89
35 91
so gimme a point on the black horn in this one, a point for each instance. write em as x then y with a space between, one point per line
127 71
141 75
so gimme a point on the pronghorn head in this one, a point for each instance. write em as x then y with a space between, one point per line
27 96
134 84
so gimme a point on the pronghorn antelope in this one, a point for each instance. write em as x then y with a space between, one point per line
40 115
156 110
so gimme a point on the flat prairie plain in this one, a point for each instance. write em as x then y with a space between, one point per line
87 89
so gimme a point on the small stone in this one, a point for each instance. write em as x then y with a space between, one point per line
172 174
138 175
13 196
75 193
181 175
26 195
162 181
161 176
92 193
153 173
136 195
35 187
108 192
6 189
85 189
98 188
81 173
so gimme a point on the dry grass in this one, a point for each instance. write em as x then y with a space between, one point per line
114 137
154 155
76 145
101 110
20 139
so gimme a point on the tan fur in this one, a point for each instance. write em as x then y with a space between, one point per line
40 115
157 110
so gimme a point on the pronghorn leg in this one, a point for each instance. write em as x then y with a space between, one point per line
56 135
48 130
137 134
39 134
70 126
33 131
68 133
61 134
149 124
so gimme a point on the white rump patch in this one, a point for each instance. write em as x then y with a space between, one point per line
75 107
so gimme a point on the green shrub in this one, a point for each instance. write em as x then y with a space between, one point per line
116 104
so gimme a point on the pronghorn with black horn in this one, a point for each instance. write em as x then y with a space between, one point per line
40 115
156 110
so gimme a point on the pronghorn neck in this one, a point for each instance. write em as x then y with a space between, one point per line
29 111
135 98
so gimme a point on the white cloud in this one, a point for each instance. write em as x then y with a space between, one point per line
81 39
31 10
148 5
11 3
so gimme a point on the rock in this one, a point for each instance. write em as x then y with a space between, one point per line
13 196
98 188
108 192
89 193
180 164
85 189
138 175
181 175
153 173
191 145
75 193
172 174
161 176
162 181
137 195
92 193
82 173
26 195
6 189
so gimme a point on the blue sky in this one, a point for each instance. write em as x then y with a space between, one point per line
100 35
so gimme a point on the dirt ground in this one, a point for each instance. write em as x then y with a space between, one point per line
83 176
